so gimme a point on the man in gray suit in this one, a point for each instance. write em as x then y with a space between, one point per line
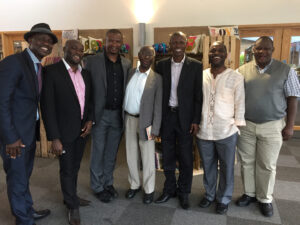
143 108
109 75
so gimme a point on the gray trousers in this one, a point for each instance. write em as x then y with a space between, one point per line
211 152
106 136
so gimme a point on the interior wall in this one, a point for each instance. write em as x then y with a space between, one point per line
93 14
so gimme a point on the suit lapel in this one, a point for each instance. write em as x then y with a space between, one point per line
86 96
30 72
147 84
66 76
168 78
103 69
130 75
184 72
123 63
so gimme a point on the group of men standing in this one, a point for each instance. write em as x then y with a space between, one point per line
221 107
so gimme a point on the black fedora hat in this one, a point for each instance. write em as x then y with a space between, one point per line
42 28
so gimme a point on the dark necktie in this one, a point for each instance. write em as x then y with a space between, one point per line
39 76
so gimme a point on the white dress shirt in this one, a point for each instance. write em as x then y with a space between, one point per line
134 92
223 105
175 75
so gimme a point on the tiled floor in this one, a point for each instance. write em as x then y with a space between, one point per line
45 189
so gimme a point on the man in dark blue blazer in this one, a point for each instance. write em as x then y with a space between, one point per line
20 86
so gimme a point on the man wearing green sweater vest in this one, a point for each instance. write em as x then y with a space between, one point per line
271 90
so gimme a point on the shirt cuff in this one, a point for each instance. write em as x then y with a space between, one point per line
240 122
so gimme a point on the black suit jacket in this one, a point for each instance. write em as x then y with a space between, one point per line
18 99
189 91
60 106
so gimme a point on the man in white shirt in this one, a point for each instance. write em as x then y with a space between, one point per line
222 112
143 107
181 112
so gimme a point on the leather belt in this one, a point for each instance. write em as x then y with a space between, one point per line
173 109
136 116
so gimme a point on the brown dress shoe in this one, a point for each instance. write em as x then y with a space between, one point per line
74 217
83 202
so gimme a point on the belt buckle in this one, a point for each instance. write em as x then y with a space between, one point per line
173 109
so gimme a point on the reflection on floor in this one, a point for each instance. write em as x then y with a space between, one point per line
45 189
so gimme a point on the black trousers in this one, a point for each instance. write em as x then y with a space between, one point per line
177 144
69 167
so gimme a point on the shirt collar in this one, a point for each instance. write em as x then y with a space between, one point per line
147 72
32 56
68 67
181 62
108 60
264 69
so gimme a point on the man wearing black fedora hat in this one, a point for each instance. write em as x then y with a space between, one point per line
20 86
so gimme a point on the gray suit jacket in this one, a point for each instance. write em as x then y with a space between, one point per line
151 104
96 66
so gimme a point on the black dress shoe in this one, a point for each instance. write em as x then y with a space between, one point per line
184 201
164 197
148 198
266 209
131 193
40 214
83 202
112 191
221 208
205 203
74 217
104 196
245 200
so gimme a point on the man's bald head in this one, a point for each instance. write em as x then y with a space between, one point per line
73 52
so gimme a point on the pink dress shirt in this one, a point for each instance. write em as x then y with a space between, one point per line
79 85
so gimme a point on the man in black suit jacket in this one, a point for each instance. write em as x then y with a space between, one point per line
181 112
67 113
20 82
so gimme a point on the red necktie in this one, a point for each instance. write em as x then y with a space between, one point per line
39 76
